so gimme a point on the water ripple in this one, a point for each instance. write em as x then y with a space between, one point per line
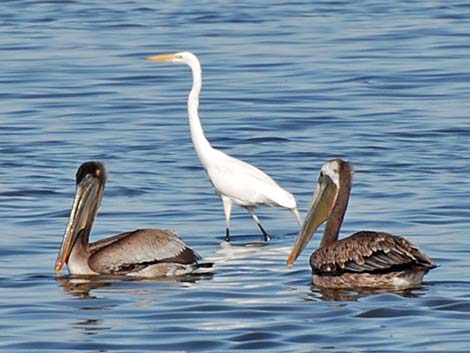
287 85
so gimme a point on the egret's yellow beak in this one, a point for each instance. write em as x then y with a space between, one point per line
164 57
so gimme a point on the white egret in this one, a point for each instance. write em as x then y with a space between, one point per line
236 181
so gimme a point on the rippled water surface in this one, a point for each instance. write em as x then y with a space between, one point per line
287 86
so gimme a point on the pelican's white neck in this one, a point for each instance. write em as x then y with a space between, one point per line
201 144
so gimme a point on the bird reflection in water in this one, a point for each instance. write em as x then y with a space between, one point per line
80 286
91 327
83 286
334 294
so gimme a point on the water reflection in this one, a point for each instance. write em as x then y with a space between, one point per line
394 100
82 286
90 327
329 294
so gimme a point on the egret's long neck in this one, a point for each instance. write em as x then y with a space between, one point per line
335 220
201 144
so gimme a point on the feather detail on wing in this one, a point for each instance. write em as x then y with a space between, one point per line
368 252
131 251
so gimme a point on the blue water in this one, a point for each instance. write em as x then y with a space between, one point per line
383 84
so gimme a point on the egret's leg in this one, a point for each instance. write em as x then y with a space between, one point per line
255 217
228 210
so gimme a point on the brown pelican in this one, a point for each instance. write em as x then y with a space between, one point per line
141 253
364 259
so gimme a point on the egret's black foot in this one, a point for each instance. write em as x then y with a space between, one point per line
265 234
227 235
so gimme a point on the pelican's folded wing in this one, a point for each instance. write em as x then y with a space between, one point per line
368 252
130 251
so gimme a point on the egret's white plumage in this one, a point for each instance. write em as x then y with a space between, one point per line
236 181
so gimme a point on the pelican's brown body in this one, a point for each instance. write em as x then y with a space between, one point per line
141 253
369 259
366 259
